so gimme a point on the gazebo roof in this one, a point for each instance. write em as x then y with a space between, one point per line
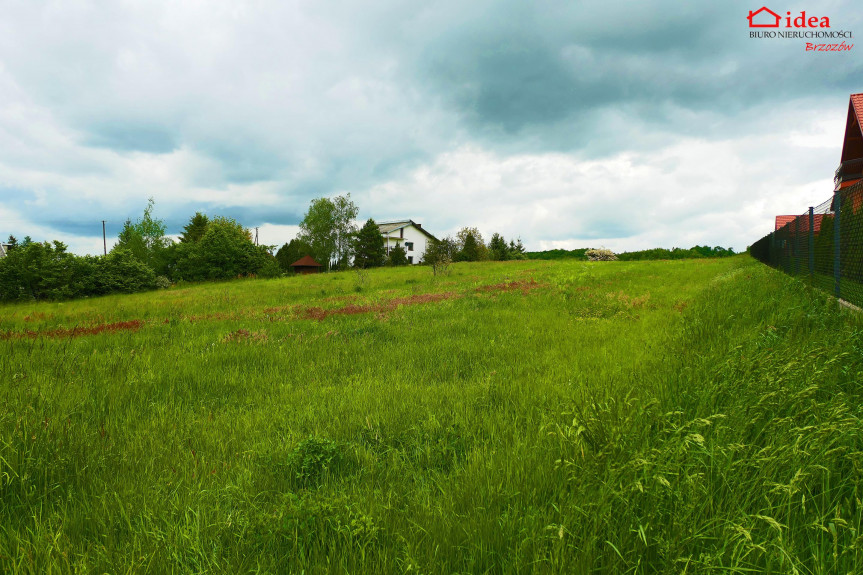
306 261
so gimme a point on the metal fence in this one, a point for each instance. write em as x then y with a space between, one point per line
823 246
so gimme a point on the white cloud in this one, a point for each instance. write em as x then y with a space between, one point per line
574 124
694 191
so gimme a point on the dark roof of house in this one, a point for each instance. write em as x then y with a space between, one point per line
389 227
306 261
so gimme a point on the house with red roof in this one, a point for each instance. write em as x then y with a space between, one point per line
850 170
802 223
782 220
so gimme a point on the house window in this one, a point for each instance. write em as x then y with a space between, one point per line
409 246
410 259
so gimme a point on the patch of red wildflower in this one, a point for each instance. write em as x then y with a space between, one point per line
78 331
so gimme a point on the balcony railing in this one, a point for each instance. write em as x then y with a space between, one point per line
850 170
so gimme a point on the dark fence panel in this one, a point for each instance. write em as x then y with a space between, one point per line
823 246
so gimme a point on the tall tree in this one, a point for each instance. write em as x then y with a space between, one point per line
195 229
328 228
346 230
469 250
497 248
481 249
145 238
369 249
318 230
516 250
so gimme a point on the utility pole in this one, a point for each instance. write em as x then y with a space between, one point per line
104 242
256 235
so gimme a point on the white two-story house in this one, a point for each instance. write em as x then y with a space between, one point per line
408 234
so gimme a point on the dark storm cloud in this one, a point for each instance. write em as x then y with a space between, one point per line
517 73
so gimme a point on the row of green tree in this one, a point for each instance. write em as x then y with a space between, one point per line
677 253
144 257
43 270
208 249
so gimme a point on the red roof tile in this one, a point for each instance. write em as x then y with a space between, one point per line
782 220
857 104
803 223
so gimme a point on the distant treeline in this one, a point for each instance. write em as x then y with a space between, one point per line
677 253
654 254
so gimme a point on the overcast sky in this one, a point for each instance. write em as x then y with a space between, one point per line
567 123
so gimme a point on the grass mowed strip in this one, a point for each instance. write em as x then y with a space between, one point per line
620 417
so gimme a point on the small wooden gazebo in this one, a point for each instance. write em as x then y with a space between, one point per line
306 265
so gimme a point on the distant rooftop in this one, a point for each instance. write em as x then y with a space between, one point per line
782 220
391 226
306 261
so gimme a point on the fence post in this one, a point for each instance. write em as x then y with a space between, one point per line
837 209
811 243
795 253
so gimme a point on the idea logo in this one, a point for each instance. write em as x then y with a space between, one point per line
764 17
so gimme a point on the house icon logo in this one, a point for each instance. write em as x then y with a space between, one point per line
764 17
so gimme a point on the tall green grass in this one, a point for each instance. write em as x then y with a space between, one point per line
645 417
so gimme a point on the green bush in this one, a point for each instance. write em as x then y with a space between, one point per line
37 270
46 271
224 251
119 271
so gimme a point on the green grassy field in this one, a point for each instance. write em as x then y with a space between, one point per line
699 416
